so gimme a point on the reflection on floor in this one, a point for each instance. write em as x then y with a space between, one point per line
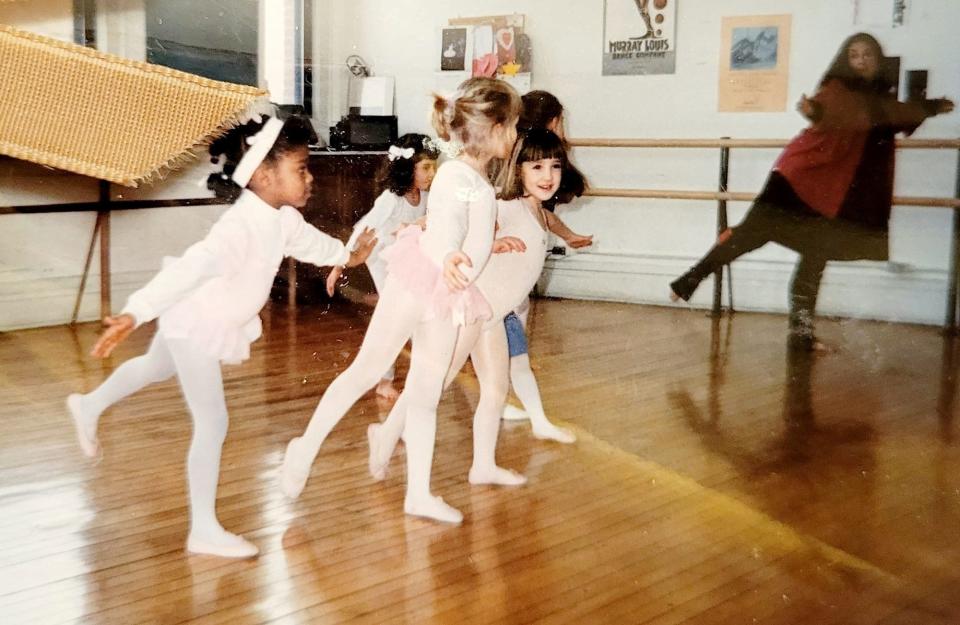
718 478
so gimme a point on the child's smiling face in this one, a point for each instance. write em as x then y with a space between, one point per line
541 179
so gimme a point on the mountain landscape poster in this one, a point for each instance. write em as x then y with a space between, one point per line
754 63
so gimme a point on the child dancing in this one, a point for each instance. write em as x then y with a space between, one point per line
538 168
208 301
406 178
417 300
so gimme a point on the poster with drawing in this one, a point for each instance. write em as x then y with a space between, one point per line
754 63
453 50
639 37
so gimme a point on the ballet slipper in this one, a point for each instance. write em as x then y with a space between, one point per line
512 413
225 546
89 444
550 432
497 476
378 469
432 508
294 471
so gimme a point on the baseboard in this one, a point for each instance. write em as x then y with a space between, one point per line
863 290
36 298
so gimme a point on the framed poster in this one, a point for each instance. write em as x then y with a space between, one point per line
639 37
754 61
455 56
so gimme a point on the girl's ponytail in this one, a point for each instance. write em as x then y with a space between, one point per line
442 119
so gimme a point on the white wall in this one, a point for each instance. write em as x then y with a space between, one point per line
642 244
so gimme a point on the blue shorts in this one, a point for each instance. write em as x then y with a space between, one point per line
516 337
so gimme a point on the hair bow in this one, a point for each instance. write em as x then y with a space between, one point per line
396 152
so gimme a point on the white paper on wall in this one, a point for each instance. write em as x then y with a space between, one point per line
880 13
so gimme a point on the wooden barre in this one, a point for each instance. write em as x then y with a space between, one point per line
927 144
735 196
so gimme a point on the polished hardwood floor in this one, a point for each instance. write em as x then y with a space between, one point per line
718 479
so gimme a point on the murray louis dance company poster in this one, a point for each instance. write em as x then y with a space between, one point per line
639 37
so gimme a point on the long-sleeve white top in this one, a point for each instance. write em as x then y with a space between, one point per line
389 212
213 293
509 277
461 215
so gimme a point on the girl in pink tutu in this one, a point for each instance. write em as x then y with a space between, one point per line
406 180
429 294
536 173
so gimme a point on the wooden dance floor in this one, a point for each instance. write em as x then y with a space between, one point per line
715 481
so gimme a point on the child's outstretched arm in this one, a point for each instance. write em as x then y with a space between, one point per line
219 253
574 240
306 243
117 330
332 278
362 247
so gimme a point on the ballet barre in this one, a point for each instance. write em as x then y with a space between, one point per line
101 231
723 195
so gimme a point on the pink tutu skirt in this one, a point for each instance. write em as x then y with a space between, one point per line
407 263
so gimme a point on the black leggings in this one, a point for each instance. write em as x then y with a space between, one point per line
816 238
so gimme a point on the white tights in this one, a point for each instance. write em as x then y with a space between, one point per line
525 388
397 317
202 385
488 350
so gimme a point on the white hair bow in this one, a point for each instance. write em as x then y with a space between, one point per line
395 152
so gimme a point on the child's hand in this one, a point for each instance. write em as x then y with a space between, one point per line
944 105
451 271
332 279
365 244
579 240
806 107
118 329
508 244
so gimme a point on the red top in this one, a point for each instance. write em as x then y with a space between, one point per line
820 163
